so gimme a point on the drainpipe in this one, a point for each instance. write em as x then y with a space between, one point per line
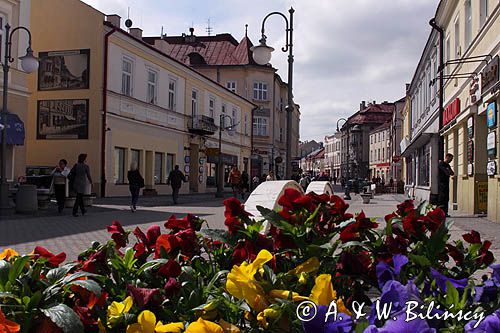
440 30
104 113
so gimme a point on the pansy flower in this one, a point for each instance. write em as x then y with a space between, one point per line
54 260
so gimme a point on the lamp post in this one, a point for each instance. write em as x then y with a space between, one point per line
347 195
262 55
29 64
220 172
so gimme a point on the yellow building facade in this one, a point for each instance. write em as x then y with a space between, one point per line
102 91
471 99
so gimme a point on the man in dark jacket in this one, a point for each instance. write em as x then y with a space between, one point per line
175 179
444 174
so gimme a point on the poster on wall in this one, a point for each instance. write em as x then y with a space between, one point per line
470 169
63 119
491 115
470 151
470 127
491 144
64 70
491 168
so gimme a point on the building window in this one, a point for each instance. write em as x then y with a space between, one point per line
457 38
448 53
434 76
172 83
194 103
211 107
231 85
135 156
127 66
246 124
260 126
119 166
152 80
158 168
235 116
468 23
223 120
483 12
170 164
260 91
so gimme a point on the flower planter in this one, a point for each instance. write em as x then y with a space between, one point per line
366 197
88 199
70 202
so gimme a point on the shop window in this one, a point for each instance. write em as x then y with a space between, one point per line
170 164
135 156
119 167
158 168
424 166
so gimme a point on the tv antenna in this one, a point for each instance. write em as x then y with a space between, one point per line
128 21
209 28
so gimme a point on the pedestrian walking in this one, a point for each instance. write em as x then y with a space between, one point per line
444 174
60 182
244 184
270 176
175 179
78 176
136 182
235 180
304 181
255 182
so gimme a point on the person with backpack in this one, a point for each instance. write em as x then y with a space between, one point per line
78 177
175 179
136 182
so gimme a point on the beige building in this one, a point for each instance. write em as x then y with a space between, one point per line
15 13
106 92
332 155
230 63
470 115
380 152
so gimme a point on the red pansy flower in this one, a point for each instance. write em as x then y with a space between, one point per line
142 296
455 253
168 242
405 207
472 237
172 286
175 224
170 269
234 208
53 259
352 231
118 234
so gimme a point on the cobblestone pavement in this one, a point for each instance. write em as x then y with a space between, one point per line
74 234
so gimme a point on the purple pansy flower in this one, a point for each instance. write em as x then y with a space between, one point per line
496 274
401 326
386 273
441 281
343 324
490 324
488 292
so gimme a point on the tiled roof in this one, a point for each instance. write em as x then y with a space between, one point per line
221 49
372 114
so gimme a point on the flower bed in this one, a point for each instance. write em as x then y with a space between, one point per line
319 269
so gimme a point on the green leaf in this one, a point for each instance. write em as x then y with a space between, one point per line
65 318
17 267
60 272
8 295
150 265
452 297
214 279
129 258
215 234
362 325
419 260
35 300
89 285
276 219
4 272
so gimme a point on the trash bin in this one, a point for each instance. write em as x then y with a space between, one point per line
26 199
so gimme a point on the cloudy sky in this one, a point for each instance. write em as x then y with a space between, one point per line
345 51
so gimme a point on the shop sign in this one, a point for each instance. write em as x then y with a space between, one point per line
396 158
491 115
491 168
470 169
489 76
451 111
491 144
470 127
482 196
212 151
470 151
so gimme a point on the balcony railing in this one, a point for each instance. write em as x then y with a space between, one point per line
202 125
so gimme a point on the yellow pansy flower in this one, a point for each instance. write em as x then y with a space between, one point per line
322 293
285 294
311 265
242 284
266 314
146 323
117 309
228 327
8 253
204 326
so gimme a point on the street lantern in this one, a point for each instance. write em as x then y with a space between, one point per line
262 55
29 64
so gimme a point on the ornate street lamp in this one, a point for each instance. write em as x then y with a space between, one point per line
220 173
262 55
29 64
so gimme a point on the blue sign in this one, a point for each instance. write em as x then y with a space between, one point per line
491 115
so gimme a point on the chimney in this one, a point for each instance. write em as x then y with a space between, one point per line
114 19
136 32
362 105
374 102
